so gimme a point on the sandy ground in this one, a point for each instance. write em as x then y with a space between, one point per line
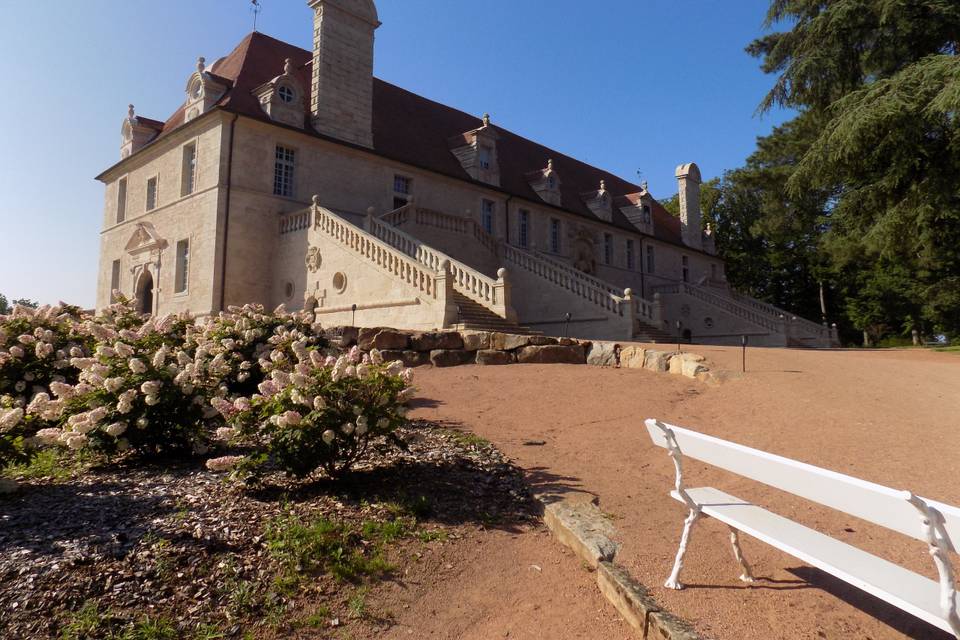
892 417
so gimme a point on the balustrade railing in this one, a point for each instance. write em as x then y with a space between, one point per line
729 305
394 261
466 280
443 221
806 325
296 221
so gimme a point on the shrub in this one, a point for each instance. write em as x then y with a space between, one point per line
135 392
247 343
322 415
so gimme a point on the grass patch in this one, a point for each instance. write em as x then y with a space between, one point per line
953 349
358 603
467 438
322 545
89 623
47 464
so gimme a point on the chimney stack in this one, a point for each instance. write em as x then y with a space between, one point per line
341 91
688 184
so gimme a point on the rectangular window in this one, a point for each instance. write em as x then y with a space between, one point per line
486 157
114 280
686 268
182 275
188 172
283 172
651 261
607 248
488 207
121 200
152 193
402 185
631 261
524 231
554 235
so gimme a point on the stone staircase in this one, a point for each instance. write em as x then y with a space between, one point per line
647 333
472 316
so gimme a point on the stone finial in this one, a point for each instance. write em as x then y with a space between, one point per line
501 273
371 211
130 112
316 200
201 64
486 119
550 165
603 186
628 293
444 266
644 186
411 200
288 67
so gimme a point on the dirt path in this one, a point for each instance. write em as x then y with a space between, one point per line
890 417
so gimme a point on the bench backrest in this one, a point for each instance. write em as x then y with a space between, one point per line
866 500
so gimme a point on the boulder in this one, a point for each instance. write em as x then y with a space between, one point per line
451 357
603 354
508 341
343 336
632 357
542 340
492 357
676 365
658 361
569 342
408 358
551 354
382 339
476 340
691 369
444 340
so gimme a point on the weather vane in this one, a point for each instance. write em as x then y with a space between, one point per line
256 12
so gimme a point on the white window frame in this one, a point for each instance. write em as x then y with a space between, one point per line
189 169
286 90
181 272
284 171
156 193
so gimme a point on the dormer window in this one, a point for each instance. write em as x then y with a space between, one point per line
599 202
203 90
646 214
546 183
486 157
476 151
282 97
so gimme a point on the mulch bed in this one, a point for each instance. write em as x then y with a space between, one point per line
183 544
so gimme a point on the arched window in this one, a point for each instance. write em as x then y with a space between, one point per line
286 94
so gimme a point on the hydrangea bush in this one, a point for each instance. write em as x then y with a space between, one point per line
244 345
135 392
323 414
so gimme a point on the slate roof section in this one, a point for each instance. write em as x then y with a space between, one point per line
417 131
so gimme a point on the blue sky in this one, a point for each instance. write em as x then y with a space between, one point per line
626 85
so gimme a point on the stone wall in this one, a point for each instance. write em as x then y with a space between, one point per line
453 348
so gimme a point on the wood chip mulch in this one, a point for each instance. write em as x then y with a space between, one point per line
176 541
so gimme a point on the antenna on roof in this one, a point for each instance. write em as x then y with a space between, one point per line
256 8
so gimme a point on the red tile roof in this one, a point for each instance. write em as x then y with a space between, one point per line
417 131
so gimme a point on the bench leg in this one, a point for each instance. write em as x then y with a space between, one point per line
673 582
747 575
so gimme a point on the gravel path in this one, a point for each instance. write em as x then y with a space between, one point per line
886 416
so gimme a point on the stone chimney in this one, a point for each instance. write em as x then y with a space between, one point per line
688 185
341 90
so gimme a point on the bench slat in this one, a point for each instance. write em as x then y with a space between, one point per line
866 500
891 583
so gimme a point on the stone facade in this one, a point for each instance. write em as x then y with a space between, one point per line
212 216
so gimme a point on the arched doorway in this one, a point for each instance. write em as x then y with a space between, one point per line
145 292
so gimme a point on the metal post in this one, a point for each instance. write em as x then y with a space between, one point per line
353 321
743 344
679 335
566 330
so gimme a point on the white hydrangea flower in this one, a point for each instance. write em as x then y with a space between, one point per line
328 436
136 365
116 429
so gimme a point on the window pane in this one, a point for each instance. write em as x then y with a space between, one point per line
189 170
122 200
151 194
114 279
182 275
283 172
524 228
487 215
401 184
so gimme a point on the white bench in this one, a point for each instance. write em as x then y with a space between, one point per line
935 523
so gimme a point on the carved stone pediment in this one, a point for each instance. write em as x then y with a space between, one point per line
144 238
